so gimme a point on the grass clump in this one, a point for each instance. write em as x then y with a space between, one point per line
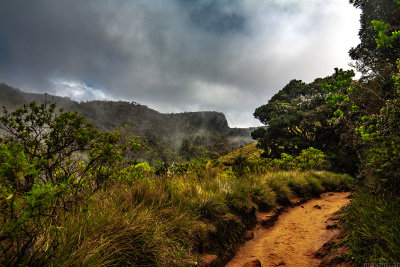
133 233
279 183
373 227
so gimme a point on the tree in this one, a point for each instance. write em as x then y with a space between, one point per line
378 60
48 138
298 117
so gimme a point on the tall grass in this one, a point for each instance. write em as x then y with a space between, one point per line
124 229
163 221
373 227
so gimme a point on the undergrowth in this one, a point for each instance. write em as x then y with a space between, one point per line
373 227
168 220
71 195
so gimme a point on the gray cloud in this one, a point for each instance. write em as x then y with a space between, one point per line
173 55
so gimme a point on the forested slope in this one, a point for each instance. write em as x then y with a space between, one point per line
173 137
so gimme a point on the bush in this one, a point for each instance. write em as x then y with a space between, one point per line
19 175
312 159
51 162
308 159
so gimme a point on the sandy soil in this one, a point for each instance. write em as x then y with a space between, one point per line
295 236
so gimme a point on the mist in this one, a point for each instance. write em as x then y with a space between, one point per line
174 55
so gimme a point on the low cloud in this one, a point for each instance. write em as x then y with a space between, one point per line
174 55
78 91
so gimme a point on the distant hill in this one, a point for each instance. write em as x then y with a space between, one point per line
179 136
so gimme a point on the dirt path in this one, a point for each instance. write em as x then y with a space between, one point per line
295 236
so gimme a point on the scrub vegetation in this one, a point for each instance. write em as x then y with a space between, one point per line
74 195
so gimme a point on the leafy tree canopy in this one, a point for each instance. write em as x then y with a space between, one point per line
372 57
306 115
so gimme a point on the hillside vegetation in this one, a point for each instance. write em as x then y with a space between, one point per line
171 137
74 195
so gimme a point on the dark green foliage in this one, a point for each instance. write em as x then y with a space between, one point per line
381 134
372 220
308 115
241 165
17 172
381 60
281 115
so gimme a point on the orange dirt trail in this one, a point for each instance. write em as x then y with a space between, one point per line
295 236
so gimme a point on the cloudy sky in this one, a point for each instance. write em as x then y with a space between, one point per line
174 55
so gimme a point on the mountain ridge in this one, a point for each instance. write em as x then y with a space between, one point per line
205 130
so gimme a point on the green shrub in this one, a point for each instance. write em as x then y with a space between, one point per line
308 159
134 172
311 159
241 165
51 162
